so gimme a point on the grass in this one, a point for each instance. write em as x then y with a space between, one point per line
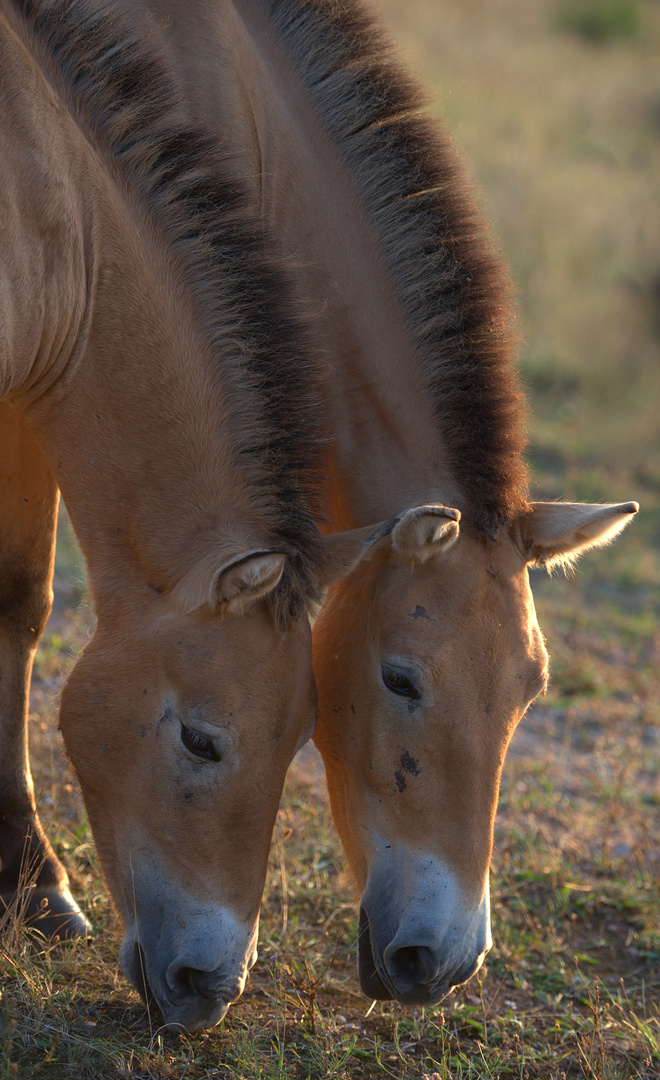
562 130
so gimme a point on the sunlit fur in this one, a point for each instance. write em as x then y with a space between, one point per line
556 538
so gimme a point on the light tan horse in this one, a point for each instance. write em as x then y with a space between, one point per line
429 654
149 370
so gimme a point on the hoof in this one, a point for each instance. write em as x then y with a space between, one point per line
53 912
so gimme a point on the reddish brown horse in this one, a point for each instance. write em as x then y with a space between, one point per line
149 370
429 654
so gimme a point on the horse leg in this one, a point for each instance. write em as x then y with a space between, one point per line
28 516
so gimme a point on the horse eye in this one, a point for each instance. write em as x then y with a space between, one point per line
399 683
199 745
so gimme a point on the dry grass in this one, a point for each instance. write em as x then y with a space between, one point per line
562 132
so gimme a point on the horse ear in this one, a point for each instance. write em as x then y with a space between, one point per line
247 578
238 582
424 531
343 551
420 533
558 533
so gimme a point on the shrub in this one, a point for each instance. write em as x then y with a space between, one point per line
599 20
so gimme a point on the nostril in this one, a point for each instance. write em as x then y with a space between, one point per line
412 965
202 983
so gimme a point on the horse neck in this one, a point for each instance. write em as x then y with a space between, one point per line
42 302
384 452
137 424
113 371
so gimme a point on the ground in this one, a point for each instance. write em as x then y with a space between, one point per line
556 108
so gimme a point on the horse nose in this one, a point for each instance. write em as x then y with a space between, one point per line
421 975
412 966
191 981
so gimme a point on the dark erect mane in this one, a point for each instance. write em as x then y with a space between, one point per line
453 288
119 87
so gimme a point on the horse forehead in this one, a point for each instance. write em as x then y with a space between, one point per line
215 638
230 661
472 577
455 596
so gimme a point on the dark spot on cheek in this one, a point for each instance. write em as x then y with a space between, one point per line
400 780
419 613
413 706
142 730
188 797
353 709
409 765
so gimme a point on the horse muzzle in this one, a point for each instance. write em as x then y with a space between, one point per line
417 943
188 957
191 995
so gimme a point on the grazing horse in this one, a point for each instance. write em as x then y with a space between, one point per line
150 369
429 653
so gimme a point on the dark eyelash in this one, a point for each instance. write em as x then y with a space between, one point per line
399 684
199 745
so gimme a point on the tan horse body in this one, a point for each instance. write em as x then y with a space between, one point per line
429 654
124 384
